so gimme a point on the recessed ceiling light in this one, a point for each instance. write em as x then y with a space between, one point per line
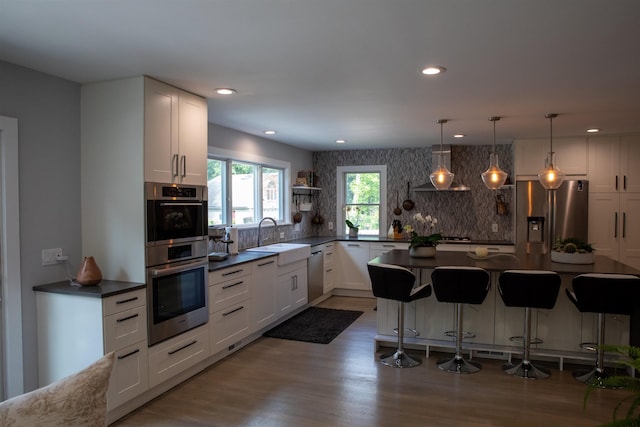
593 130
270 132
459 135
340 141
433 70
225 91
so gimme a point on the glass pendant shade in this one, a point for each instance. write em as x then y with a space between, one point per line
442 177
494 177
551 177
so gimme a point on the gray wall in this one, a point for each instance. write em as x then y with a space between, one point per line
48 113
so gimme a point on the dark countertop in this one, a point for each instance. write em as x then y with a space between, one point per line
241 258
104 289
501 262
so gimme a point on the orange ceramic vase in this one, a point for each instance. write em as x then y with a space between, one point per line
89 273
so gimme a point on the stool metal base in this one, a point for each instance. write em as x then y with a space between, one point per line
459 365
526 370
399 359
592 377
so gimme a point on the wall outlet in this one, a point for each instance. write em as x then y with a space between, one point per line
330 224
49 256
296 227
282 234
494 227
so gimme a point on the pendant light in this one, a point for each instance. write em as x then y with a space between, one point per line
551 177
441 178
494 177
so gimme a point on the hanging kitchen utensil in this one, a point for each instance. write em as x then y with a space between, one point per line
317 218
298 216
397 210
408 203
502 208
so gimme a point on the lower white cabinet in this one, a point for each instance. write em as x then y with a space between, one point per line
173 356
264 292
130 375
353 257
291 287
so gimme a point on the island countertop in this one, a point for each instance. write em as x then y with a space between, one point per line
501 262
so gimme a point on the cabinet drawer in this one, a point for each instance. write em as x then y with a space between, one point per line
125 328
230 325
225 274
228 293
329 256
130 375
122 302
171 357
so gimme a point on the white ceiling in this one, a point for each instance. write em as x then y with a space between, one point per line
319 70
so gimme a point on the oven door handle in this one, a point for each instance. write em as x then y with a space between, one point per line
181 204
177 269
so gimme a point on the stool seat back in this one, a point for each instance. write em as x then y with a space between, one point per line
529 288
466 285
394 282
606 293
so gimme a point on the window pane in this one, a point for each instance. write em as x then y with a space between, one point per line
272 193
243 194
362 201
216 177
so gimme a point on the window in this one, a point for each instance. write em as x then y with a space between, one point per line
362 198
241 192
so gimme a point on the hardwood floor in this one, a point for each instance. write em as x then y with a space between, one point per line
274 382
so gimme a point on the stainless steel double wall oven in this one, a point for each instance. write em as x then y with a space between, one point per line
176 259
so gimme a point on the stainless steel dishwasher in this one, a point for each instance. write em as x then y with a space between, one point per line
316 273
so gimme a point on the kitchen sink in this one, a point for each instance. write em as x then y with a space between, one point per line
287 252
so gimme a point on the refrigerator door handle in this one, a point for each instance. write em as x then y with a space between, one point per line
624 224
624 183
615 225
616 182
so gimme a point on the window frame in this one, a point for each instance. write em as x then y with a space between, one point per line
230 156
341 171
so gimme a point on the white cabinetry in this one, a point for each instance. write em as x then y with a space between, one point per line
378 248
76 330
175 140
264 292
329 265
353 258
530 154
229 305
291 287
169 358
614 197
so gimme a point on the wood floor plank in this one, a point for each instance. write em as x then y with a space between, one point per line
274 382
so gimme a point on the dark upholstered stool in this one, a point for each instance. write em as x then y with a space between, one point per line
460 285
528 289
396 283
603 294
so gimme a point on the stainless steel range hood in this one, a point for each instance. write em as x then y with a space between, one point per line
446 160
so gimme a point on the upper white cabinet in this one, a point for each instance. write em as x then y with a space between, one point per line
175 135
613 164
530 154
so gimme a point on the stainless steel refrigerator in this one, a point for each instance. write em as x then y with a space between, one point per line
535 229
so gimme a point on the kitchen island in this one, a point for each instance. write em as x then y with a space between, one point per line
562 328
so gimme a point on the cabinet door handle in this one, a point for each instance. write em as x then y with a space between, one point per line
329 253
124 319
388 246
329 270
624 225
233 284
124 301
232 272
131 353
616 182
316 253
184 166
233 311
624 183
171 353
266 263
615 224
354 245
174 165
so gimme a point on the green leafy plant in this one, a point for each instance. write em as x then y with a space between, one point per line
572 245
351 225
631 359
427 224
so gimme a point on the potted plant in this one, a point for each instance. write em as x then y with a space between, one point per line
354 227
572 251
632 360
423 244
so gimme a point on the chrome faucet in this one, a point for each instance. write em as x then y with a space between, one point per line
260 227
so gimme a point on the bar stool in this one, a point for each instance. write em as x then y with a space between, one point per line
528 289
603 294
393 282
460 285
